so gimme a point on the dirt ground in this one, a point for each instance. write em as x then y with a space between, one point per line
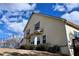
20 52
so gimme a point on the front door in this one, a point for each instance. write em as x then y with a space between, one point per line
35 40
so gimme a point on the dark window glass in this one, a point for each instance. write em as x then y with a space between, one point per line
37 26
76 34
44 38
32 42
44 41
38 40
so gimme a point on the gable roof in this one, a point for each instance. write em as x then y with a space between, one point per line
61 19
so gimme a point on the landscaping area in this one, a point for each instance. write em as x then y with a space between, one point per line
42 48
21 52
32 50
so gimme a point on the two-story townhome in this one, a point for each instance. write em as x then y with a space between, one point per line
42 29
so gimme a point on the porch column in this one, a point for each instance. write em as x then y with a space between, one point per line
35 41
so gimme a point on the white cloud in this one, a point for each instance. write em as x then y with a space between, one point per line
33 6
71 6
66 7
16 6
10 34
4 19
18 27
73 17
36 11
59 7
15 10
28 13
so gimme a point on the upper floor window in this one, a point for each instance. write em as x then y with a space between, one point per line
28 31
37 26
44 38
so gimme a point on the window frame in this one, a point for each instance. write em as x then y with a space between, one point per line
38 40
44 39
37 26
32 41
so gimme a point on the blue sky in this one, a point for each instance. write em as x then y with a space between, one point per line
14 17
62 10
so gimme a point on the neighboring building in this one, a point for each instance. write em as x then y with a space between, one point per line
42 29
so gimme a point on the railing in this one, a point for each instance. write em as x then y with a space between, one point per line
36 32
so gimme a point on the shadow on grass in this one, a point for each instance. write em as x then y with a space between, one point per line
18 54
1 54
34 54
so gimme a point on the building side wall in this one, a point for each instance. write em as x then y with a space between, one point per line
53 29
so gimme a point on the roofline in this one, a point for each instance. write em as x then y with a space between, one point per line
61 19
72 24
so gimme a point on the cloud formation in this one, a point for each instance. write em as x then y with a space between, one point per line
69 12
16 6
13 18
73 17
18 27
58 7
66 7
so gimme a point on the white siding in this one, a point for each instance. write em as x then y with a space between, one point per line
69 30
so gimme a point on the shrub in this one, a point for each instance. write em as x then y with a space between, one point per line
42 47
54 49
22 47
32 47
28 47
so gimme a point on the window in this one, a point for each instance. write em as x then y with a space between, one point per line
37 26
38 40
76 34
44 38
28 31
32 41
